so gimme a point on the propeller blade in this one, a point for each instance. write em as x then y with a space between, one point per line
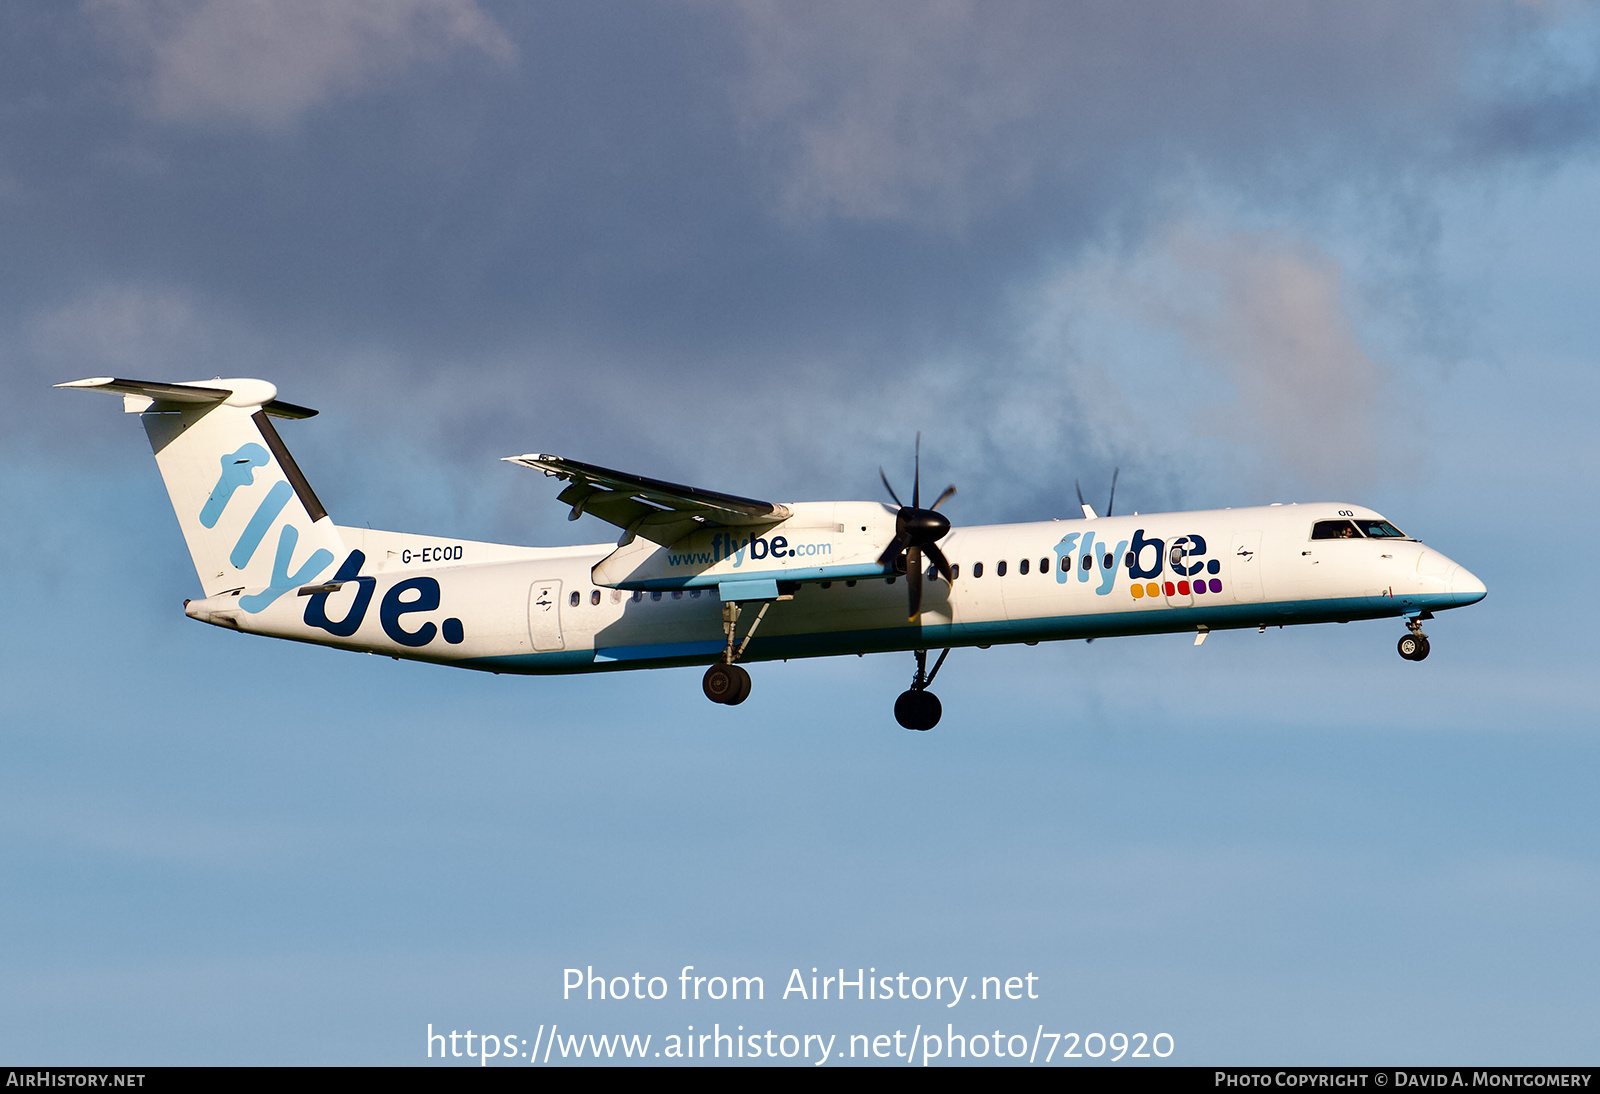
916 476
914 581
940 562
949 492
1114 472
1088 510
889 488
891 553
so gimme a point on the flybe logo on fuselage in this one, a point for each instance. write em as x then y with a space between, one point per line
1143 559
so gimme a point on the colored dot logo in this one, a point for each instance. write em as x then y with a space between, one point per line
1141 590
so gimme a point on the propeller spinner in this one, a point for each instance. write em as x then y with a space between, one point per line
917 532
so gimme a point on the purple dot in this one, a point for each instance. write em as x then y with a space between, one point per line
1200 586
1216 584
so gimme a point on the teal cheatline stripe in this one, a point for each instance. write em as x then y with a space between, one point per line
238 469
256 530
282 579
662 650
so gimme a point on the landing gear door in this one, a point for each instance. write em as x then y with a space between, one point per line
544 615
1244 568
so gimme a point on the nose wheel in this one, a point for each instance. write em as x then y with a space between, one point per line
1414 646
918 708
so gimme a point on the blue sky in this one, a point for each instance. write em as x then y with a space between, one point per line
1246 253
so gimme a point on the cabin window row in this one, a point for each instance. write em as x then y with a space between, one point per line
1026 565
575 598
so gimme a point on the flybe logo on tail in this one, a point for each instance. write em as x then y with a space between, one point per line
239 469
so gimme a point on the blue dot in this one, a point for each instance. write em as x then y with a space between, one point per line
1214 567
452 631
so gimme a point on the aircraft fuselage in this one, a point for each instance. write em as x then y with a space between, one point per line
512 609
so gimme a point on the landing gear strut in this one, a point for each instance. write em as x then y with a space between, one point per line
919 708
1414 646
726 682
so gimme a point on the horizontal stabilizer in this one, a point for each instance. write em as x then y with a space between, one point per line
236 393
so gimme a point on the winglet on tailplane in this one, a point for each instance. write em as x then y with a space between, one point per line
233 484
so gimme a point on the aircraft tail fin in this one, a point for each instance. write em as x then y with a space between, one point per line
250 518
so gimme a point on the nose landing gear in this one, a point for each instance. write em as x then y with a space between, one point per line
1414 646
918 708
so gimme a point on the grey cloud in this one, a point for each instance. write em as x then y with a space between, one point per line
755 246
265 62
936 113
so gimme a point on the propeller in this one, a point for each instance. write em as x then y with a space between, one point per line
1111 501
917 532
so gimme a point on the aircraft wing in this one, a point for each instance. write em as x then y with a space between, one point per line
662 512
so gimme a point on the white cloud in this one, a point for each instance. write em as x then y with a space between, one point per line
121 328
266 62
1268 315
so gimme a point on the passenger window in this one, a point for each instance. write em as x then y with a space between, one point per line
955 570
616 596
1066 563
638 595
977 569
574 598
655 595
677 594
1334 529
1000 568
1044 565
1088 562
1107 561
1022 567
594 597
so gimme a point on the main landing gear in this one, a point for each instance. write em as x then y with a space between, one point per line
1414 646
918 708
726 682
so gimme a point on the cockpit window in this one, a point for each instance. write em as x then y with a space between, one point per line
1334 529
1381 529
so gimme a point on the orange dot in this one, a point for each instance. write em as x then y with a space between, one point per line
1137 591
1153 589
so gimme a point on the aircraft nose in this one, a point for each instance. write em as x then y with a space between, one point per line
1465 587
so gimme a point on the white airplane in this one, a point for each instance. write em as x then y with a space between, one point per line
815 578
